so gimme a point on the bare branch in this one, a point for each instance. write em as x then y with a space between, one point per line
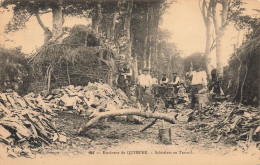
202 9
45 12
40 22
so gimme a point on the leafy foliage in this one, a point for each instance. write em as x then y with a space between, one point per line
245 82
14 71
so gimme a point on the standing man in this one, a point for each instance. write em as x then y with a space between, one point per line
144 83
198 82
124 79
175 82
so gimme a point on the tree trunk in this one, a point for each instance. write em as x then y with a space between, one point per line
113 25
240 66
127 29
108 27
207 50
123 112
169 71
149 39
145 51
135 70
96 19
155 46
149 52
243 84
205 11
219 31
219 53
47 32
57 22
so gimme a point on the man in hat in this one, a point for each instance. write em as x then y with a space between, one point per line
164 80
144 81
176 79
198 82
175 82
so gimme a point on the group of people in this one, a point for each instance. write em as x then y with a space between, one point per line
146 83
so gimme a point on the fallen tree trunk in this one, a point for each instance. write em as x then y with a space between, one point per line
122 112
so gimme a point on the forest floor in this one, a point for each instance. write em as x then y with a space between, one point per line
119 139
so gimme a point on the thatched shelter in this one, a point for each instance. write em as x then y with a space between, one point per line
82 57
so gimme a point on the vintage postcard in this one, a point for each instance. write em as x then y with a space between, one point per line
129 82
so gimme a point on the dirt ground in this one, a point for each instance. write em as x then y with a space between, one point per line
108 139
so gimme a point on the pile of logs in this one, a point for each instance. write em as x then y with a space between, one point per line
230 122
25 122
88 99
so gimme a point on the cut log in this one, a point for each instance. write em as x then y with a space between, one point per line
137 112
4 108
29 103
11 101
250 136
42 104
236 121
70 92
148 125
3 97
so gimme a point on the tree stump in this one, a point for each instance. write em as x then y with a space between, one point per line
165 136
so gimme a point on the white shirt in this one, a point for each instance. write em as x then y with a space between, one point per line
198 77
145 80
155 81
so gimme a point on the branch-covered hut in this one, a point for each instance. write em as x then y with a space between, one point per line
82 57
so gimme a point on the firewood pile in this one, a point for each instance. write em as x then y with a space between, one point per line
25 124
230 122
96 97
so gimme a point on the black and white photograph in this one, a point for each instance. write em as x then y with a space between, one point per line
125 82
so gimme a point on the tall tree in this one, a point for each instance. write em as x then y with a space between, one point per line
57 20
23 10
36 8
127 24
206 7
97 17
229 10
